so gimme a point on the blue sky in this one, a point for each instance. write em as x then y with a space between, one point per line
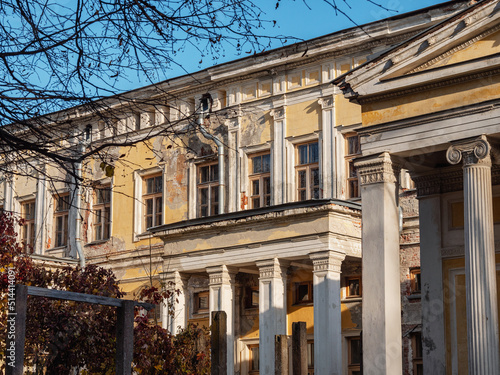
295 18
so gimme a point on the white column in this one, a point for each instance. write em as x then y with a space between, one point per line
327 312
480 269
329 177
221 298
174 311
278 173
382 352
433 334
272 310
40 211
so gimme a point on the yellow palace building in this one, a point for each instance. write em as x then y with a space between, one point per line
321 182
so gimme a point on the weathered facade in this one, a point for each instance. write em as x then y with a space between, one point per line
255 206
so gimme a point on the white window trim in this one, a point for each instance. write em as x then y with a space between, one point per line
291 145
139 175
103 182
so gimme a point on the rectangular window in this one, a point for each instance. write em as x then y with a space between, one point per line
251 297
303 292
415 284
61 213
354 352
28 229
260 181
153 201
310 357
253 360
353 149
353 287
307 171
416 343
208 190
102 211
200 303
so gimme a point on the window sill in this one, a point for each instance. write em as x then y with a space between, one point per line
99 242
353 299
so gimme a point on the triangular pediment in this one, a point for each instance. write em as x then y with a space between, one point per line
465 44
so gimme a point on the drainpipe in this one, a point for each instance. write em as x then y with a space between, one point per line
220 152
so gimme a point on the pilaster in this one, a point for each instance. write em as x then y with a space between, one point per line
221 298
328 159
272 310
279 159
174 310
480 272
382 352
327 312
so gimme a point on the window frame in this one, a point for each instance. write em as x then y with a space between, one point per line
351 367
64 215
264 198
102 214
417 355
308 167
415 281
348 290
154 196
310 293
197 296
211 186
251 348
28 229
349 160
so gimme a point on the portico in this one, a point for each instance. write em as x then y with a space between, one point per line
276 264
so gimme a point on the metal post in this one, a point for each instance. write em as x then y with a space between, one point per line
16 330
125 338
299 348
219 343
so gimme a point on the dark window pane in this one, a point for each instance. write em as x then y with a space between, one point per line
149 186
204 211
315 177
266 163
214 172
315 193
158 184
313 153
149 206
352 170
355 352
267 185
353 286
303 155
255 187
257 164
204 196
303 293
255 202
204 174
302 179
215 194
353 146
268 200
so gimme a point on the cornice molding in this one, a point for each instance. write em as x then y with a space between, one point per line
429 87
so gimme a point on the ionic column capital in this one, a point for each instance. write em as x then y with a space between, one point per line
326 102
377 169
221 275
324 261
278 113
471 151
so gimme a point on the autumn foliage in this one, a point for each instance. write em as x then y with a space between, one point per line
64 335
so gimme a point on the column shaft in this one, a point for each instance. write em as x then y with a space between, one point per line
174 311
433 338
480 265
482 315
382 352
327 312
221 298
272 311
